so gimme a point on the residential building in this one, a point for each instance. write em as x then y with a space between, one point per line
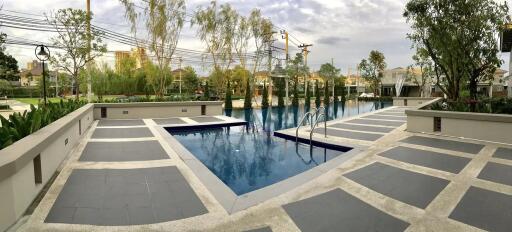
31 75
411 82
138 53
496 87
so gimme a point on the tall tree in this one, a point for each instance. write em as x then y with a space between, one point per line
372 70
8 65
327 97
262 33
318 101
460 38
216 29
328 72
307 100
264 96
70 25
426 69
228 102
163 21
295 69
190 79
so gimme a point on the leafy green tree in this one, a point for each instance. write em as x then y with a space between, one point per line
264 96
216 28
126 71
78 47
307 100
460 38
326 94
295 99
163 21
8 64
248 95
318 101
228 103
206 94
372 70
426 68
5 87
190 79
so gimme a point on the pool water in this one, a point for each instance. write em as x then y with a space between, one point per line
247 158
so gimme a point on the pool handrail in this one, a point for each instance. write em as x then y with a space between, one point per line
306 115
314 126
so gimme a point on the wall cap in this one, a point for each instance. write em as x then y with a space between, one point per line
156 104
16 156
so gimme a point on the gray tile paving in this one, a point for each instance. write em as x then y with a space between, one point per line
137 122
503 153
499 173
206 119
376 122
429 159
337 210
471 148
166 121
488 210
362 128
123 151
112 133
408 187
349 134
264 229
125 197
385 117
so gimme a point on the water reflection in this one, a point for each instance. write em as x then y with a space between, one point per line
287 117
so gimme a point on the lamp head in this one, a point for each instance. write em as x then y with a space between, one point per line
42 54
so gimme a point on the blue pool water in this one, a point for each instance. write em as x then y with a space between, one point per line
247 158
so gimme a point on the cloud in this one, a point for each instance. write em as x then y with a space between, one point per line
332 40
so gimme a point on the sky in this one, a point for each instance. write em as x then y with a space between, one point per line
342 30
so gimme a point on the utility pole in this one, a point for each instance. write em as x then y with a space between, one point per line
305 51
89 81
285 37
270 44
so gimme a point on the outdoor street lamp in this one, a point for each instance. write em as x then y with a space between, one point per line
43 55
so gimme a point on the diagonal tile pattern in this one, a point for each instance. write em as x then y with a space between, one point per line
399 184
125 197
337 210
485 209
435 160
471 148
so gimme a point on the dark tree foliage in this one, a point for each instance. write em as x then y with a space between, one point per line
318 101
248 96
326 94
307 101
8 65
460 38
295 100
264 100
228 102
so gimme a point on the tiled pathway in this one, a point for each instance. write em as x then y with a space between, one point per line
401 182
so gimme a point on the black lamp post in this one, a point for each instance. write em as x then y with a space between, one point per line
43 55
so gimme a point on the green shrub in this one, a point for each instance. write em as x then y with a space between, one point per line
491 105
373 99
4 107
20 125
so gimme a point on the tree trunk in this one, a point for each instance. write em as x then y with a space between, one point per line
77 86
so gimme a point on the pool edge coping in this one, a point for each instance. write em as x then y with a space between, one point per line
232 202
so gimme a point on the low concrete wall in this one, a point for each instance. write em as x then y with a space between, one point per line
489 127
21 176
411 101
156 109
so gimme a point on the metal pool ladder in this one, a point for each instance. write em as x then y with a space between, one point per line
314 126
307 115
312 115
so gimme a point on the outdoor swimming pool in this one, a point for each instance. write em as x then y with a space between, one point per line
248 158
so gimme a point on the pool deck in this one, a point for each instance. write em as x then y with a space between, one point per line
125 176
